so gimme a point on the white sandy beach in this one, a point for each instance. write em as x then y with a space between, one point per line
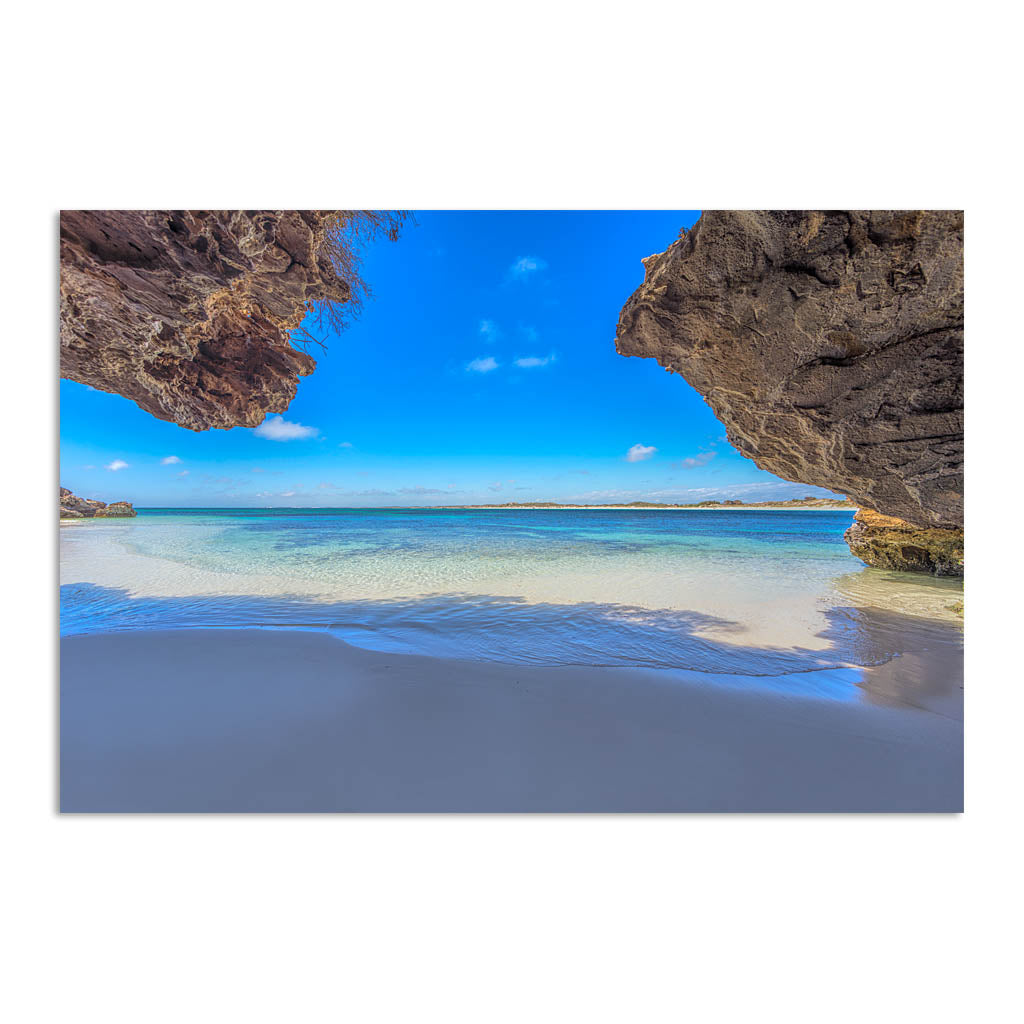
269 721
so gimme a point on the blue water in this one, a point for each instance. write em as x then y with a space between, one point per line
359 545
754 593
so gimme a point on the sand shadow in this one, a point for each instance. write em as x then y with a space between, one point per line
252 720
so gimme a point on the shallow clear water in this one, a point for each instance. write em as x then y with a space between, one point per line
749 593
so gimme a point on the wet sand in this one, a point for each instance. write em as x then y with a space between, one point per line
287 721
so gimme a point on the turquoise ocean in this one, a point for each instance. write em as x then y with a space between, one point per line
756 594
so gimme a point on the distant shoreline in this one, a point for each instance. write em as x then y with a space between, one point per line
768 506
822 505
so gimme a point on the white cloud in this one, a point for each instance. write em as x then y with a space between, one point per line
345 444
287 494
171 460
489 329
639 452
184 472
482 364
117 464
529 362
277 428
525 266
695 461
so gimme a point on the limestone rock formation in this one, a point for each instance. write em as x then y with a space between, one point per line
889 543
829 343
188 312
73 507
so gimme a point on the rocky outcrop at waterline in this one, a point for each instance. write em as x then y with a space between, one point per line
889 543
829 343
73 507
189 313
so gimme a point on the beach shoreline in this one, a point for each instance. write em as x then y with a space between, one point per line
666 597
270 721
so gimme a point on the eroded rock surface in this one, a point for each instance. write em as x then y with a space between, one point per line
830 344
73 507
188 312
889 543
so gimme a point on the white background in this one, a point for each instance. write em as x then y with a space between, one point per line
492 919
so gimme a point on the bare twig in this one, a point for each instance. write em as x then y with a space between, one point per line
348 234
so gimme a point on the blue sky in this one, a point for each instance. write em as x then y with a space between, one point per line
483 369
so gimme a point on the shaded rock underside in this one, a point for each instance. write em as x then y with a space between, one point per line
188 312
829 343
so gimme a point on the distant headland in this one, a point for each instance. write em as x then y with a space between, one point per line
821 504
